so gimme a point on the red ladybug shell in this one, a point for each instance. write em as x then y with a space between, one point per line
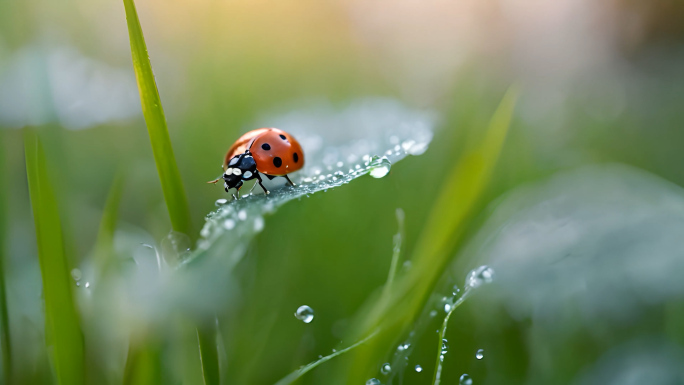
275 151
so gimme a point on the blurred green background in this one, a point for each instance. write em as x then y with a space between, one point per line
601 82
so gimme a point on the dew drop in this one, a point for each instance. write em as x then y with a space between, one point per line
433 313
465 380
481 275
379 167
479 354
87 285
386 368
339 164
228 224
445 346
76 274
220 202
447 307
407 265
242 215
373 381
418 368
305 314
258 224
78 284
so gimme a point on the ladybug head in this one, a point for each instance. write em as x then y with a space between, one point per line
242 167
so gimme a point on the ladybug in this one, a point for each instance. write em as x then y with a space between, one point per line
269 151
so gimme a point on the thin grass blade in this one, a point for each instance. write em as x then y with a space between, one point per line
62 323
104 245
207 339
4 315
172 185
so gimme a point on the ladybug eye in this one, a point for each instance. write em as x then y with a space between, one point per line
277 161
283 137
266 146
295 157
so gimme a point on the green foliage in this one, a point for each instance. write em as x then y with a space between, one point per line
62 323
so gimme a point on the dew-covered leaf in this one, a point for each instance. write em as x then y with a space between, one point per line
607 238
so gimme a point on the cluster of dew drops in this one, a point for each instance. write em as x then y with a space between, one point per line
475 278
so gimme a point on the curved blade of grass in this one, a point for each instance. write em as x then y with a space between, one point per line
172 185
62 324
437 376
445 225
292 377
4 315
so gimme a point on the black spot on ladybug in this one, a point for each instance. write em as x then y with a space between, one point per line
266 146
295 157
283 137
277 161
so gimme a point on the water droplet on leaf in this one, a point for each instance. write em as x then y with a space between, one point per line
305 314
480 354
76 274
385 368
379 167
373 381
465 380
445 346
418 368
481 275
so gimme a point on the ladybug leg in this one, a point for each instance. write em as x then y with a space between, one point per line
289 181
258 177
236 196
215 180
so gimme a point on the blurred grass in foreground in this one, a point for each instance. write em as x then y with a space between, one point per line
64 335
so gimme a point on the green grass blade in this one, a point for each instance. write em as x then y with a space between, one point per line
143 365
4 315
104 245
437 376
292 377
172 185
206 337
62 323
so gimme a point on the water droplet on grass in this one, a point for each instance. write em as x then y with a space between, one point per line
76 274
220 202
87 285
373 381
433 313
480 354
418 368
481 275
465 380
228 224
242 215
379 167
386 368
258 224
305 314
445 346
